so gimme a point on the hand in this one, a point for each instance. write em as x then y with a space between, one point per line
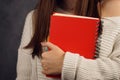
52 60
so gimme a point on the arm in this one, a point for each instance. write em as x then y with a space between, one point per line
24 55
104 68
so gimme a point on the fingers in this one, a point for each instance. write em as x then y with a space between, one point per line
46 71
48 44
44 67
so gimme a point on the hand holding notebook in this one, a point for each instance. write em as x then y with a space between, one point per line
77 34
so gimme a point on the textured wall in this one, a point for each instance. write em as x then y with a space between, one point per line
12 16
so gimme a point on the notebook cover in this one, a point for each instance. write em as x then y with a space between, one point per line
76 34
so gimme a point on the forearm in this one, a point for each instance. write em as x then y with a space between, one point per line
87 69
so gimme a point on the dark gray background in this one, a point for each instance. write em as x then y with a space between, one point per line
12 16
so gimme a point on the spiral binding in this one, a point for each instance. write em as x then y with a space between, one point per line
98 42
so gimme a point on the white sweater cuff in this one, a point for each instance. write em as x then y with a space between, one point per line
69 66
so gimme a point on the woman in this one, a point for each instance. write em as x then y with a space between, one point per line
36 30
75 67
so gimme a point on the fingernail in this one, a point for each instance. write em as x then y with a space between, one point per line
42 43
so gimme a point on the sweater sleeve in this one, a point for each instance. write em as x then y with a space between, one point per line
24 55
76 67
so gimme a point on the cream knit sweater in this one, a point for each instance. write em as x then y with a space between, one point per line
106 67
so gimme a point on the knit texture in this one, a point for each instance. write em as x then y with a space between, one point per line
106 67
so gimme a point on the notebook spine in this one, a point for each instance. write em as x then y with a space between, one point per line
98 39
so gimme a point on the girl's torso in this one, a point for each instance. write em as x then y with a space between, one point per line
111 31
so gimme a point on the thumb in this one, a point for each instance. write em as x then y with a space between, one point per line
48 44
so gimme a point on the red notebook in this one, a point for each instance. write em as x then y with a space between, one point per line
73 33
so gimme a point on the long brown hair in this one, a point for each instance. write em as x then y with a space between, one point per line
42 15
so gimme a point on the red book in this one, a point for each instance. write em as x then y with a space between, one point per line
73 33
